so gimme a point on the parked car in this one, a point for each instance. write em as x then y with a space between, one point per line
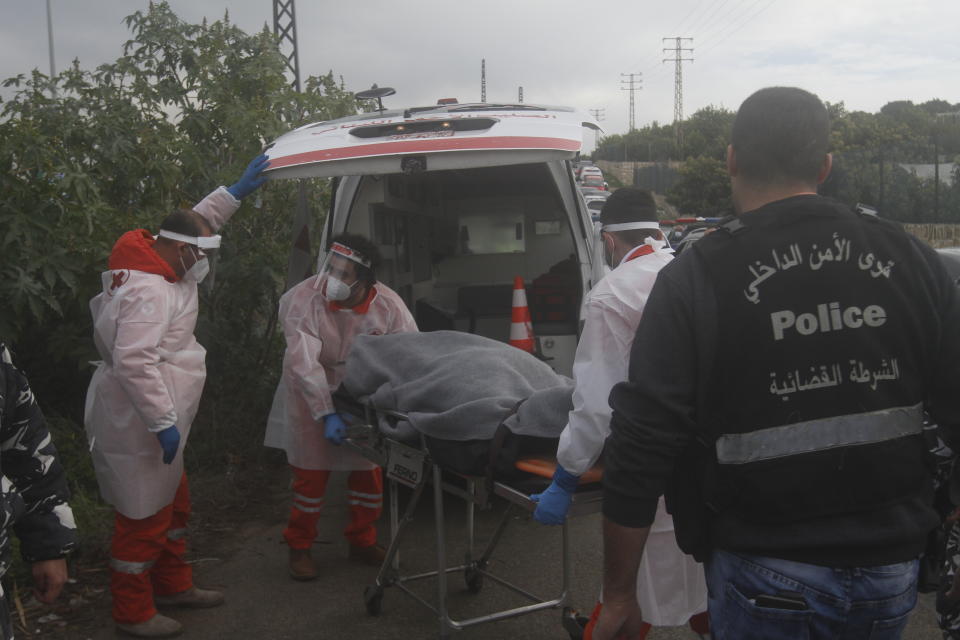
593 181
586 172
460 199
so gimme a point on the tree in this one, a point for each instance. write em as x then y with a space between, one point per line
703 189
182 110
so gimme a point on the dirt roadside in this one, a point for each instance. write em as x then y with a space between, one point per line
236 545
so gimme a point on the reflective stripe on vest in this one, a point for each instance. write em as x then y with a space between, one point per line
176 534
363 503
299 497
820 435
133 568
372 496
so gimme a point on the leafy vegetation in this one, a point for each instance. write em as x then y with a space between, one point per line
873 154
182 110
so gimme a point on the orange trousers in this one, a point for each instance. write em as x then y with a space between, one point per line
364 497
699 623
146 558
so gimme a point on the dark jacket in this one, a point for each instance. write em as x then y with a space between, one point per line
798 346
33 498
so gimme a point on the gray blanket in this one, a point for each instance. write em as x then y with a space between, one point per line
458 386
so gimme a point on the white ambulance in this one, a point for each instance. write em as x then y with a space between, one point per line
461 199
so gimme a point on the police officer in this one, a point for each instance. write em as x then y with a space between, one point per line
776 389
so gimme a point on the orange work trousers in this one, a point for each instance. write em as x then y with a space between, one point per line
364 497
699 624
146 558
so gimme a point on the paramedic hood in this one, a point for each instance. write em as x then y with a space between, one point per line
153 369
320 331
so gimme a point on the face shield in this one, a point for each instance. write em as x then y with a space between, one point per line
339 274
206 250
627 226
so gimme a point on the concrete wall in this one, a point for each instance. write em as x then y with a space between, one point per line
936 235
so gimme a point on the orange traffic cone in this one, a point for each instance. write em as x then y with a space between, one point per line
521 329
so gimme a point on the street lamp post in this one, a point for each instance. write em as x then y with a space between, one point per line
53 72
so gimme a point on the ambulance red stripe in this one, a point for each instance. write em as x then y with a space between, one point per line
426 146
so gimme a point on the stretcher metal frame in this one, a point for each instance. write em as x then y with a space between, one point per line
413 467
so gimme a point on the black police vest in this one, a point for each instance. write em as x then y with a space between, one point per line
826 327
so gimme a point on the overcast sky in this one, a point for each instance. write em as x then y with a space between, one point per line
862 52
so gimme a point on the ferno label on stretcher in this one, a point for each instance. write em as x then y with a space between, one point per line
405 465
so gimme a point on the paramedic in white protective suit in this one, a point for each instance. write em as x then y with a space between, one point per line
670 585
321 317
143 398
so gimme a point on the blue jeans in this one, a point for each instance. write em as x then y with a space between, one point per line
864 603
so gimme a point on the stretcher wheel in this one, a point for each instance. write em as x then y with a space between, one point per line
473 579
373 599
574 623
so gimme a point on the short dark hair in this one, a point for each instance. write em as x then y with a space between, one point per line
187 222
367 250
630 204
781 134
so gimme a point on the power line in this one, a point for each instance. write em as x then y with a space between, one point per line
706 17
680 27
722 23
678 61
742 24
631 85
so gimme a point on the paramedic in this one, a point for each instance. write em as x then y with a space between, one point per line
143 398
320 317
33 502
670 586
776 392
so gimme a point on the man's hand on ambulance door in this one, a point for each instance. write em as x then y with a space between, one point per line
251 179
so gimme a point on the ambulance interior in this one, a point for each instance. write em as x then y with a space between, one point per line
453 241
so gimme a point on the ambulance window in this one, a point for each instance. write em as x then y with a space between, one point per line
497 232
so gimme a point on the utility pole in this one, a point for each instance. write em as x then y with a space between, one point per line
520 95
285 29
300 262
678 60
598 115
633 83
53 71
483 80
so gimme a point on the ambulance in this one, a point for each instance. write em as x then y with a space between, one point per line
461 199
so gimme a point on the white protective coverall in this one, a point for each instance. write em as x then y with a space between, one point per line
151 377
670 584
321 332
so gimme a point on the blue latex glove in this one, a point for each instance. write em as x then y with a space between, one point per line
170 441
334 429
553 504
251 179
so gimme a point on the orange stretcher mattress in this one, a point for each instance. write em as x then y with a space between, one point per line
545 466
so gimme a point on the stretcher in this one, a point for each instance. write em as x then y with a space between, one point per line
409 463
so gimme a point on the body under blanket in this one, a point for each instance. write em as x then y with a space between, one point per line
458 386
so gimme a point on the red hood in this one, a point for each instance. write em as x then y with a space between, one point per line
134 250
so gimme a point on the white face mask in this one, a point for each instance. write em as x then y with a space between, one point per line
197 272
337 290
